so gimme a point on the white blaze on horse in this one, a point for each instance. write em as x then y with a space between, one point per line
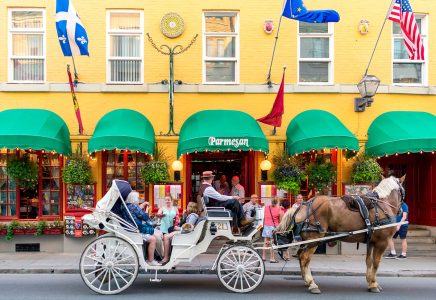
323 215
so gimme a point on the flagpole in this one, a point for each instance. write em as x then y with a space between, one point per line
378 38
274 49
76 76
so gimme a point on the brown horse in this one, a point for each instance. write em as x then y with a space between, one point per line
334 216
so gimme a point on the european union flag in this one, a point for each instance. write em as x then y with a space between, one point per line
71 32
295 9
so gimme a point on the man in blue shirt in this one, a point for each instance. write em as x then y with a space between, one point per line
402 233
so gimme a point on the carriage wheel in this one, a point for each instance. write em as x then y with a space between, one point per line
109 265
240 269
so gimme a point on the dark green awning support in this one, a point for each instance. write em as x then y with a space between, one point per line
317 130
36 129
123 129
401 132
222 130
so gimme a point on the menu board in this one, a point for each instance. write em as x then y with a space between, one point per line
80 197
161 190
75 227
269 191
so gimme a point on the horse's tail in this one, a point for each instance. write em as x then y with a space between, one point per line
286 220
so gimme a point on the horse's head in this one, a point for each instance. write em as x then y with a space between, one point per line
392 191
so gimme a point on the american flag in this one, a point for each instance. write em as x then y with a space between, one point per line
402 13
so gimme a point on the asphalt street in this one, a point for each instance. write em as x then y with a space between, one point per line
207 287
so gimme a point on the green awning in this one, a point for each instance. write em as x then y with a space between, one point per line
401 132
223 130
36 129
317 130
123 129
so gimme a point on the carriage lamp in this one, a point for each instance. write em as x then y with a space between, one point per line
177 166
367 88
265 166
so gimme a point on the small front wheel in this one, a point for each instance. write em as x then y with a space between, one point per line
109 265
240 269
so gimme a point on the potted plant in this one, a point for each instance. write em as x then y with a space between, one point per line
56 227
156 170
80 190
24 171
10 229
366 170
29 228
287 174
3 228
321 174
40 228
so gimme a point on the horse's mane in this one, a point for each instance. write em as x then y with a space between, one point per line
386 186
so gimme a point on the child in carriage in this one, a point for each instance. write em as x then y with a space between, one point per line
190 218
142 220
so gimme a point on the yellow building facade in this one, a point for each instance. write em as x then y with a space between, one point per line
221 70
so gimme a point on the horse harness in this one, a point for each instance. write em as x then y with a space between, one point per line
364 204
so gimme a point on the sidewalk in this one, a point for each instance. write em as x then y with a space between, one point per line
326 265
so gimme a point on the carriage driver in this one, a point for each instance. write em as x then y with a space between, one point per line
216 199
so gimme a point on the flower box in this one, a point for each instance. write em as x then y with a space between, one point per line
19 231
3 231
30 231
56 230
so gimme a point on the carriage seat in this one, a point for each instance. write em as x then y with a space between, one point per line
214 212
190 238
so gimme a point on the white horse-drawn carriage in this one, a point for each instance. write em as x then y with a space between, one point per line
110 264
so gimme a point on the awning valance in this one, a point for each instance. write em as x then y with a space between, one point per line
317 130
36 129
401 132
223 130
123 129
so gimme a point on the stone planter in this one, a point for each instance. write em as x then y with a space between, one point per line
3 231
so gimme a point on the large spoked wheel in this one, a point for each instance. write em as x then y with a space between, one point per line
109 265
240 269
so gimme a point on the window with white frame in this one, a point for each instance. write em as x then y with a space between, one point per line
125 46
315 53
406 71
26 45
220 47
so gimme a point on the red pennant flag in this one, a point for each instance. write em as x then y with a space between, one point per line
274 118
75 103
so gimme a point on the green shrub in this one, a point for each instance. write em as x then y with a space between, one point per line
366 170
155 172
77 171
24 171
321 174
287 174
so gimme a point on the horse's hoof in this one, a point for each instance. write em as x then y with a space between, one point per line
315 291
374 290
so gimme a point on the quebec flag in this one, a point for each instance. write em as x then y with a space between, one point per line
71 33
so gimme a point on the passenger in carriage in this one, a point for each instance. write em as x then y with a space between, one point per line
190 219
142 220
229 202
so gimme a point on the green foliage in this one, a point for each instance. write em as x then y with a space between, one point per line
10 230
366 170
287 174
24 171
321 173
40 228
155 172
77 171
349 154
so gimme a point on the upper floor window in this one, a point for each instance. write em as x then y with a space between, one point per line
406 71
315 53
220 47
26 45
125 46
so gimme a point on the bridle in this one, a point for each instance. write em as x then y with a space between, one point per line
402 192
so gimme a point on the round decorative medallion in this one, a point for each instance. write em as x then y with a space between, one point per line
172 25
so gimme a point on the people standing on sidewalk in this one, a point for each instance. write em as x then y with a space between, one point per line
272 217
402 233
222 186
250 207
298 201
237 189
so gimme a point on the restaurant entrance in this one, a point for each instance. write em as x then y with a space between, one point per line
220 163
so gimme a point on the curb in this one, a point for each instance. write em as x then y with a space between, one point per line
430 274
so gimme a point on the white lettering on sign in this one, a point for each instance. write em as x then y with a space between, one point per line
235 143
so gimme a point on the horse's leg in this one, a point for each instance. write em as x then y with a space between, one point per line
369 261
305 256
378 251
